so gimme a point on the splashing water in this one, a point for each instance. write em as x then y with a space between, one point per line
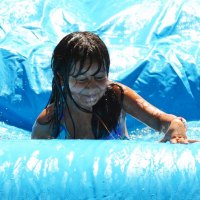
8 132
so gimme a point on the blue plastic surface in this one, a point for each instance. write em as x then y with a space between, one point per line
79 170
154 49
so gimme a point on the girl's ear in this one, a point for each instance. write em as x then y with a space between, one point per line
61 79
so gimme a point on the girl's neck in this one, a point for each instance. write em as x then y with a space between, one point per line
81 121
74 108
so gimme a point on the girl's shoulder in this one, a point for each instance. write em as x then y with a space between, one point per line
116 86
127 91
131 100
46 115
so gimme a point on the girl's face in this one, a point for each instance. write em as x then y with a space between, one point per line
89 87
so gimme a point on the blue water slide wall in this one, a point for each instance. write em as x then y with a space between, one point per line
154 49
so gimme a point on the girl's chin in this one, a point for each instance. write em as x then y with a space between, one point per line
86 101
86 104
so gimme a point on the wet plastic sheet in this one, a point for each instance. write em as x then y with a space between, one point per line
154 48
99 170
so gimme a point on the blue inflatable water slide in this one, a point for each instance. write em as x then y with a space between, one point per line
154 48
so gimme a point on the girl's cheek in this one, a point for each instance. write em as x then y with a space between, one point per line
102 86
75 88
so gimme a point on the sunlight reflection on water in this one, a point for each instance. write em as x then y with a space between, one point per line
139 134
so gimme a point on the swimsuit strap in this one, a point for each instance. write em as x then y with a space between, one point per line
63 134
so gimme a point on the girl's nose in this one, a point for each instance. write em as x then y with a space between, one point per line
92 84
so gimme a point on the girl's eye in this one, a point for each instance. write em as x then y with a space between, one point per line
100 78
82 80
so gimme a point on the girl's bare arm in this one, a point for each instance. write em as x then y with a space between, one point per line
42 128
173 126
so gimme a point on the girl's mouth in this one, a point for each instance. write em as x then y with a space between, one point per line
91 99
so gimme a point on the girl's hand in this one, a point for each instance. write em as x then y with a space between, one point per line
176 132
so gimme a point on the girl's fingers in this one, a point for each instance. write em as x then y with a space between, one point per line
183 141
178 140
173 141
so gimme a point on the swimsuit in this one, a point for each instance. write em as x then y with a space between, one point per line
118 135
114 135
64 134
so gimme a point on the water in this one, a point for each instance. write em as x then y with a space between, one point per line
13 133
138 134
140 168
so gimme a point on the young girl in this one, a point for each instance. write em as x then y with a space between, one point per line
85 104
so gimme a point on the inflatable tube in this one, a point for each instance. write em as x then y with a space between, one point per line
98 170
154 48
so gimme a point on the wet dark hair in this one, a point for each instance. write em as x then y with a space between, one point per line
79 47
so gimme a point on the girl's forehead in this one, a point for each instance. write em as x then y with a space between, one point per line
87 68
